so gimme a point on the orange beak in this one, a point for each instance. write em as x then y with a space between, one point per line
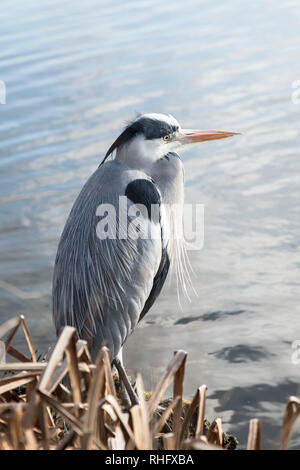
188 136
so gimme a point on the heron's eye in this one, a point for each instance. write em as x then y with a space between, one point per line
166 137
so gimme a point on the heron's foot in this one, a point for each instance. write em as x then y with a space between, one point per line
129 397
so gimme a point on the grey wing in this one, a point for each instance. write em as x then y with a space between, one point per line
101 285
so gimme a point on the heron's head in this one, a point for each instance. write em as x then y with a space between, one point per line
152 136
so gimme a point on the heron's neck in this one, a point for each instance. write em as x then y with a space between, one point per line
167 173
155 160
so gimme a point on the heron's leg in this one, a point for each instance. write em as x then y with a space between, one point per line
134 385
124 378
124 397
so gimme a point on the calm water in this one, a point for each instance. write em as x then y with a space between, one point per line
74 72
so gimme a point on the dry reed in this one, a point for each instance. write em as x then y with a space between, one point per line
38 412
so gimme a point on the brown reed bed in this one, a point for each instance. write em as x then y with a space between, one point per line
38 412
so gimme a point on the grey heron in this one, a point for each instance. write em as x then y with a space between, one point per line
103 286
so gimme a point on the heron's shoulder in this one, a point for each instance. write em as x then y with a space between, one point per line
115 176
143 191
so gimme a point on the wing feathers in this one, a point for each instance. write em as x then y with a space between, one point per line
101 286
